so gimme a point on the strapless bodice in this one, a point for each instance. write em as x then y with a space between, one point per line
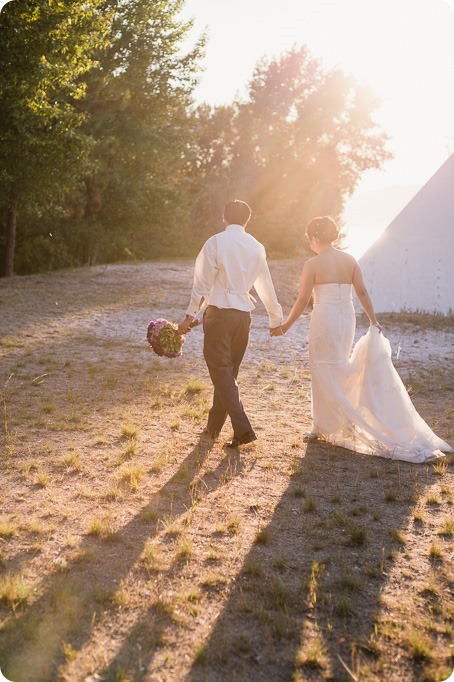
332 293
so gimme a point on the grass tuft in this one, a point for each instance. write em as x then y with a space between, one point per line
309 506
447 529
252 567
349 582
420 647
7 528
185 549
102 527
131 474
345 608
358 536
213 580
42 479
201 654
263 537
435 551
398 536
194 387
129 431
13 590
68 652
313 655
72 461
418 516
440 468
151 556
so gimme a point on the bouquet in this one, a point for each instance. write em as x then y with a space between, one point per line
164 338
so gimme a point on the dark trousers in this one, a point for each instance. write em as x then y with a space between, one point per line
225 342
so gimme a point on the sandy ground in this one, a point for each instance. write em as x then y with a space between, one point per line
285 561
148 291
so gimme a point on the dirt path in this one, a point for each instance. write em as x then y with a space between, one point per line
132 548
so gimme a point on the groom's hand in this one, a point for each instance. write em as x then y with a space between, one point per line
276 331
183 327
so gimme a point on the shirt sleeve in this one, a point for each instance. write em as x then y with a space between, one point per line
204 273
265 290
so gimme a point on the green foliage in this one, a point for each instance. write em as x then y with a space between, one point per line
46 48
96 97
136 113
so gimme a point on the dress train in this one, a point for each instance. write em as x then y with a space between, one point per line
359 401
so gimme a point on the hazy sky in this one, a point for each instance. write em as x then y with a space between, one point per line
404 49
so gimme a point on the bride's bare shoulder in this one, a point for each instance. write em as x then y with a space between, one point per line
310 263
347 257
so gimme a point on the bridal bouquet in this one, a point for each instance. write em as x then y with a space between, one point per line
164 338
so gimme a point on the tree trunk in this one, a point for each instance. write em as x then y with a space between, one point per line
92 207
10 240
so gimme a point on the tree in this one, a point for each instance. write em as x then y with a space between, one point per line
137 114
47 47
208 165
296 147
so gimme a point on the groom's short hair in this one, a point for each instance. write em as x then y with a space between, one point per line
237 212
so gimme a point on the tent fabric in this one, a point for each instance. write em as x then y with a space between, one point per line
411 265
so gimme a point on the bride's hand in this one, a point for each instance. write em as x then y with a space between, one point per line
277 331
379 327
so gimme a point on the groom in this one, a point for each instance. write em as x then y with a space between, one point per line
228 265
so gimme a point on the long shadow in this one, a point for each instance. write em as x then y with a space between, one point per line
316 575
143 641
68 602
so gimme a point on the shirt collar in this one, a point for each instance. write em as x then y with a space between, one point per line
236 228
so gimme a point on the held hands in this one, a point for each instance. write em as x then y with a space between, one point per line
277 331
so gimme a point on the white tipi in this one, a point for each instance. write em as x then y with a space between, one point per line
411 265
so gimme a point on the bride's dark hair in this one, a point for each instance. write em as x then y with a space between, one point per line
323 228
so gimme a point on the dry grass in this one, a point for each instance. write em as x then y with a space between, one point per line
420 321
134 548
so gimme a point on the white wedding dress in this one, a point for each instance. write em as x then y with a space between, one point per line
358 399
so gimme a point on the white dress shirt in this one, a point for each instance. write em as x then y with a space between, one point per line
229 264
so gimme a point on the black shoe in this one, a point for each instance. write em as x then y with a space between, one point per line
244 440
211 434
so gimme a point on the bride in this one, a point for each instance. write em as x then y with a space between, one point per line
358 399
